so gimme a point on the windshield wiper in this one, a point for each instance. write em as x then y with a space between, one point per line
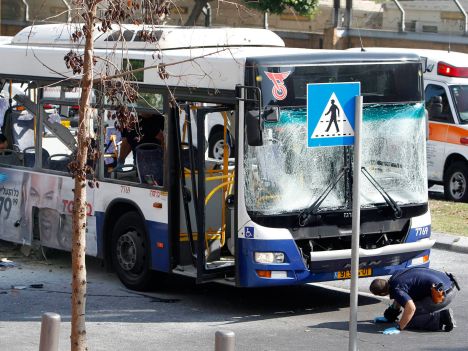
388 199
306 215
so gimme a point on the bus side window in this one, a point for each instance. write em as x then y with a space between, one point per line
18 129
436 94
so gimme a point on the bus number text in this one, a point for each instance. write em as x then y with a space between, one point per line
124 189
422 231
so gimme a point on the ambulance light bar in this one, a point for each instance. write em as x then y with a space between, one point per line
444 69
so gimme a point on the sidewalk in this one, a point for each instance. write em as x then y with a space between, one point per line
450 242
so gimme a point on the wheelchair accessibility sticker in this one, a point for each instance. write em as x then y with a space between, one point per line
249 232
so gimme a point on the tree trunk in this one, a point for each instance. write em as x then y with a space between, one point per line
79 284
196 11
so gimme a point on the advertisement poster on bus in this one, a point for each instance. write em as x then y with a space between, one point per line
35 204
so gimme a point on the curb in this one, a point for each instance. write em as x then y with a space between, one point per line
449 242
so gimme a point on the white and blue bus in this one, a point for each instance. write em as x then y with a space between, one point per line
271 212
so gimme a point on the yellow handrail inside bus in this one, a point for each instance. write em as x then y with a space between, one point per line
212 192
208 171
223 186
227 176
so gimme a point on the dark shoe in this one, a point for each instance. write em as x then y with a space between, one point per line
447 320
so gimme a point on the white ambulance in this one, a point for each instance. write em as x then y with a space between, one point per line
446 95
446 98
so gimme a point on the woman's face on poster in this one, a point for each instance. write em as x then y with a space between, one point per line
43 191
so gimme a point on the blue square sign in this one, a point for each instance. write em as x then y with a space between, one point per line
249 232
331 113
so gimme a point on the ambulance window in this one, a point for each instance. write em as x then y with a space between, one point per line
460 95
437 104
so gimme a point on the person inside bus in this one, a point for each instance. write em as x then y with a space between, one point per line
151 130
424 295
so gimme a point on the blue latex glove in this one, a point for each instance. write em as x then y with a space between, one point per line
391 331
380 319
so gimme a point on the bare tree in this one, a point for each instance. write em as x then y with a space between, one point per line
79 171
118 91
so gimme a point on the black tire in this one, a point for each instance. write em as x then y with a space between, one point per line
215 143
456 182
131 252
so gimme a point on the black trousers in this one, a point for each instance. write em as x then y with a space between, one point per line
427 315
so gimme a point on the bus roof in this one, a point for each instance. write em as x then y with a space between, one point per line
435 55
129 36
434 58
210 67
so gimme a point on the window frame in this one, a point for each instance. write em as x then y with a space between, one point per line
448 119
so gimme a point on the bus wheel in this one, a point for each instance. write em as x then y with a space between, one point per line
130 252
456 182
216 146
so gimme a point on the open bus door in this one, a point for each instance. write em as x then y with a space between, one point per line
206 210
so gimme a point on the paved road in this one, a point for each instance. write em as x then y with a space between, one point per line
181 315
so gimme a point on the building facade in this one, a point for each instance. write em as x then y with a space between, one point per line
371 22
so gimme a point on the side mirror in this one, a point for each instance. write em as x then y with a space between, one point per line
254 124
271 114
425 68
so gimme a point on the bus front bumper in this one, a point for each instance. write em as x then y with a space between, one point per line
326 265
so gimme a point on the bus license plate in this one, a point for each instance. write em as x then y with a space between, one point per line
363 272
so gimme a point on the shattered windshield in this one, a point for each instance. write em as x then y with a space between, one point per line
394 152
284 175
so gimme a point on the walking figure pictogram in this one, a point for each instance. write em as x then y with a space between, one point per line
333 110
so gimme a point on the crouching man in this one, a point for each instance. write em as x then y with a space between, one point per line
424 295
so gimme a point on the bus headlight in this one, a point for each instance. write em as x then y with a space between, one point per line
269 257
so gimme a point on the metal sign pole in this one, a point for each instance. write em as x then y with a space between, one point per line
356 226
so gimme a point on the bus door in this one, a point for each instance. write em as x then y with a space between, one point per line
205 236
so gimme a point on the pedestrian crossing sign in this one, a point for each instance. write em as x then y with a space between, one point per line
331 113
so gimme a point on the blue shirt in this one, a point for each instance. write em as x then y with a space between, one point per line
415 284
